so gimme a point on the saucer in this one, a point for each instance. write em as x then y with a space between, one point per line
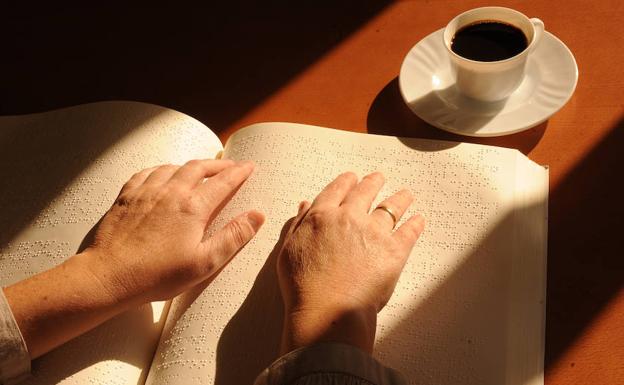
428 88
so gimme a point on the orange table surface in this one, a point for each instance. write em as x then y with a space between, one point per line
336 65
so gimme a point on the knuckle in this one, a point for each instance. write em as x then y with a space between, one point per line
233 179
346 219
412 232
350 215
207 266
171 167
176 191
317 218
134 180
194 163
136 176
190 205
129 185
379 231
232 182
239 231
123 199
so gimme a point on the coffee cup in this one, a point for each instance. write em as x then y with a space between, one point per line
490 64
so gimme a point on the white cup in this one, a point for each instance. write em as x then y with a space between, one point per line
494 80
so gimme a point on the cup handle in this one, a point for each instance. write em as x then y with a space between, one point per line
538 28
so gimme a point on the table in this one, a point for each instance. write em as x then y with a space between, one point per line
336 66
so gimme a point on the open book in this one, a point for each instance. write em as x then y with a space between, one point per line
468 308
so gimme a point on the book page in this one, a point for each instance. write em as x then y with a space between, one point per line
527 316
448 321
61 171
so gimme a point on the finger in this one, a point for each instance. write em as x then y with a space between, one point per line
363 195
161 175
304 207
136 180
334 193
396 203
409 232
225 243
220 188
193 172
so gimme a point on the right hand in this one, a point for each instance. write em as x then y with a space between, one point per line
339 263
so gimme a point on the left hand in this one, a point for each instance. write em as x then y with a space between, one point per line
151 244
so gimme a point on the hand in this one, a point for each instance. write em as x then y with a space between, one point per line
150 246
339 264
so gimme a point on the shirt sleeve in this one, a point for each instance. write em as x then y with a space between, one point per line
328 364
14 357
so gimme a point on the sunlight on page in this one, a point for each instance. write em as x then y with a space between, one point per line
490 308
64 169
453 304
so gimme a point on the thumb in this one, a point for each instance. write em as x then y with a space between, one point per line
226 242
304 207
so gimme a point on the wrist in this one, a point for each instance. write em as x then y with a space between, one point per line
115 283
59 304
98 271
352 326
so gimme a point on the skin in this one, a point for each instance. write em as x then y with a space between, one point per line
340 263
337 268
149 246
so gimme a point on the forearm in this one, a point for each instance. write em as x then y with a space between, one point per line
59 304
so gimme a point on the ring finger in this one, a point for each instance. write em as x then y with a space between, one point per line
397 204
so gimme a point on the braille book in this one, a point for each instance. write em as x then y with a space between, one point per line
469 307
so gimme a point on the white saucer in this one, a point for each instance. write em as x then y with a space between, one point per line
428 88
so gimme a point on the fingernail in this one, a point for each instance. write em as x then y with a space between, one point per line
247 163
255 219
376 174
406 192
420 220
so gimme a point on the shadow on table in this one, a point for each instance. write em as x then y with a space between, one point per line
585 243
214 61
389 115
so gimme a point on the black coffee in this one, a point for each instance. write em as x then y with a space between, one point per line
488 41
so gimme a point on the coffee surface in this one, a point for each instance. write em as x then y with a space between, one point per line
488 41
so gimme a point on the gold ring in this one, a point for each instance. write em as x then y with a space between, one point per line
389 211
